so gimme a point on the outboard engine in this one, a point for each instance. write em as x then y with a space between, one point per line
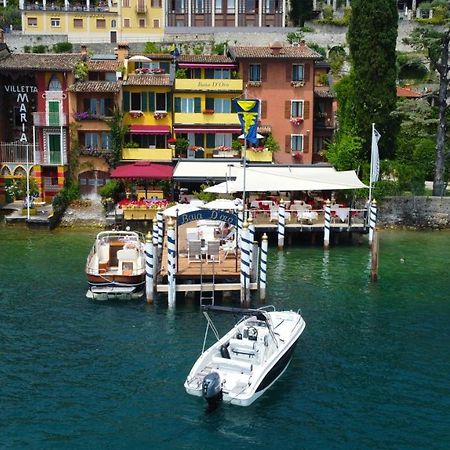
211 388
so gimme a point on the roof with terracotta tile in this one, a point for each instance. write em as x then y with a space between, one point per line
104 65
324 92
96 86
147 80
219 59
274 52
407 92
61 62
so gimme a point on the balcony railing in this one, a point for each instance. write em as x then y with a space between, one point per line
16 152
78 8
49 119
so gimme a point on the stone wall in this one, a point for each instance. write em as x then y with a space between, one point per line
418 212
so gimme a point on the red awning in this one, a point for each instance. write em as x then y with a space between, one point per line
149 129
211 130
143 169
187 65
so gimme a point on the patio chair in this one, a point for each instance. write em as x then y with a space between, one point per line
192 234
194 251
229 246
213 251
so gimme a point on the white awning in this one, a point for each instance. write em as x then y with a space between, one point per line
206 170
282 178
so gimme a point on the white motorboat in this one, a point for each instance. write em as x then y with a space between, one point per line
115 267
245 362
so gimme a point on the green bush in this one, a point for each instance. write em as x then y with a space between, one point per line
27 48
39 49
62 47
112 189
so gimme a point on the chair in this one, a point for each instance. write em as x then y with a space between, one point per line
229 246
194 251
213 251
192 234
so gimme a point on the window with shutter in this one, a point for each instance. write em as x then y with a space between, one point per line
177 104
209 103
126 101
287 109
306 110
263 72
144 98
199 139
306 144
209 73
288 72
287 144
210 141
151 101
197 104
169 102
263 109
306 72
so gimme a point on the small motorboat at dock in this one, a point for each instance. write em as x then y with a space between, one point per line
247 360
115 267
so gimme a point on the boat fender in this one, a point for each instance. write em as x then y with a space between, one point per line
239 336
224 351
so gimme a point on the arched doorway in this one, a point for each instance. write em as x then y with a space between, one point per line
91 181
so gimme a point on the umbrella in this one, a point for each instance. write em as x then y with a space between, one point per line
142 170
226 187
258 136
139 58
222 203
179 208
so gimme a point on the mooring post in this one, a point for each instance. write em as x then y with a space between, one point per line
372 220
263 268
251 238
160 221
327 224
240 221
374 257
245 265
149 267
281 223
156 260
171 258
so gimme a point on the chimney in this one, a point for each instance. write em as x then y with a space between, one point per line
276 47
122 51
84 52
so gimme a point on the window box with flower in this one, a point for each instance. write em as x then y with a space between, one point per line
158 115
258 149
84 115
254 83
297 156
297 84
296 121
208 111
135 114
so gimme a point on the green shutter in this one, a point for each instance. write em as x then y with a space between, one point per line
197 104
210 140
144 101
169 101
209 73
209 103
177 104
151 101
197 73
126 101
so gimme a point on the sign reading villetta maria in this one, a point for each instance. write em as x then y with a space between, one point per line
207 214
22 101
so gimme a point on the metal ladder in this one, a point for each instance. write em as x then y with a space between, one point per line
203 297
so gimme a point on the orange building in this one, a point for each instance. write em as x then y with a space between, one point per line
282 78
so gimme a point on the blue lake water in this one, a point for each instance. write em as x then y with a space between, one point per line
371 371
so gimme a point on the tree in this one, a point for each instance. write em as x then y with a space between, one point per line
435 42
372 35
301 11
118 131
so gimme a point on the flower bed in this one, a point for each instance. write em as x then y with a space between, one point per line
257 149
143 204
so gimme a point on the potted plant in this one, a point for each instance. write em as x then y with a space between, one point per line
296 121
297 156
181 147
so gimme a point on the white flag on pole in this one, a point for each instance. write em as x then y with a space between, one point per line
375 157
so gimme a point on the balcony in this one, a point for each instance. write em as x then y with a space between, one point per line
148 154
203 119
205 85
72 8
16 152
141 8
49 119
259 155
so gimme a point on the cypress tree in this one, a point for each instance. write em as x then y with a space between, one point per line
372 36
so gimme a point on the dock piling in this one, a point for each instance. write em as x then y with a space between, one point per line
374 258
372 220
263 268
160 221
149 268
281 224
171 262
327 224
245 265
251 238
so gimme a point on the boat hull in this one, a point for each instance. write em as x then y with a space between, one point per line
116 280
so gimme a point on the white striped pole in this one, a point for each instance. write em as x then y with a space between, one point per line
263 268
281 223
171 259
149 267
327 224
251 238
372 220
240 221
160 220
245 265
155 247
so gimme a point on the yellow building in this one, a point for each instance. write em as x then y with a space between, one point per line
203 113
147 108
96 21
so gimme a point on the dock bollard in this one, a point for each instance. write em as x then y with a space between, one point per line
149 267
263 268
281 223
171 261
327 224
245 265
372 220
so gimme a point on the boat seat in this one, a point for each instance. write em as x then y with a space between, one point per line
242 347
220 363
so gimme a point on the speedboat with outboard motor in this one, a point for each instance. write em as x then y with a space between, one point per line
247 360
115 267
